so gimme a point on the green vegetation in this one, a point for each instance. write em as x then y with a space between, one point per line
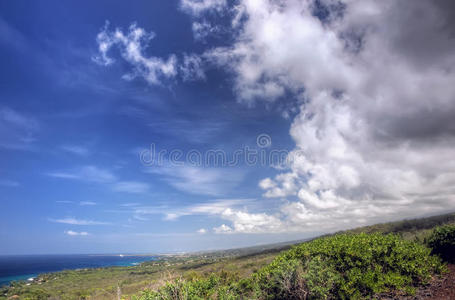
345 266
442 242
103 283
391 259
416 229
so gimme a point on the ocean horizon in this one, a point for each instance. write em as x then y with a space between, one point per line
26 267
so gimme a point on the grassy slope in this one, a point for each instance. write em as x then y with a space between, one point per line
413 229
102 283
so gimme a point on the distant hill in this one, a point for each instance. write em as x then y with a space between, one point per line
413 229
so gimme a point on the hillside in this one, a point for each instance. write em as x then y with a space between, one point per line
270 271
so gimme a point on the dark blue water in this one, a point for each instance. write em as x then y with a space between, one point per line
23 267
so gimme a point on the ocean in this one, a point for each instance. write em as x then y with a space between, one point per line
23 267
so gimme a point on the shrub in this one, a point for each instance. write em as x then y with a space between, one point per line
320 278
343 266
442 242
280 280
350 266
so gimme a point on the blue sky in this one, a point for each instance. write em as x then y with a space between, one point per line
87 89
62 114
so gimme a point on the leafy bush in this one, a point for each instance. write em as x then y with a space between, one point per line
442 242
358 265
346 266
280 280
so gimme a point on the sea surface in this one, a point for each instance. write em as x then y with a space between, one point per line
24 267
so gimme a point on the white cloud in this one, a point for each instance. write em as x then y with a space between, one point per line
244 222
87 173
202 231
192 68
375 135
102 176
132 45
171 216
17 131
214 207
74 221
373 80
87 203
199 180
129 204
203 29
9 183
131 187
74 149
198 7
75 233
64 175
232 210
222 229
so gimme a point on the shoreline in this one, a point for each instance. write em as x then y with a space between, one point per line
32 276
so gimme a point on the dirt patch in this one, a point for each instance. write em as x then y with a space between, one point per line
440 288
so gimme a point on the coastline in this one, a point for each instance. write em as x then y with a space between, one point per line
28 268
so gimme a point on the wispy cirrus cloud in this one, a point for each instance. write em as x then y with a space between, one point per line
9 183
81 222
86 173
17 130
199 180
76 233
134 187
93 174
198 7
201 130
75 149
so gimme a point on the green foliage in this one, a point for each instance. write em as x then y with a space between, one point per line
216 286
320 277
369 264
345 266
280 280
442 242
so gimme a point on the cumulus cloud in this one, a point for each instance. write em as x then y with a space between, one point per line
232 210
245 222
375 135
75 233
222 229
132 45
202 231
